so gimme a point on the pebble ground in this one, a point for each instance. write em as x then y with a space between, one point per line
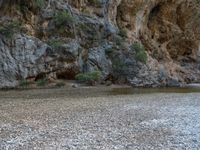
71 121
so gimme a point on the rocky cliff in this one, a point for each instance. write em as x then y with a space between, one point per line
142 42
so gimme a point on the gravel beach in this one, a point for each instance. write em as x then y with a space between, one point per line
56 119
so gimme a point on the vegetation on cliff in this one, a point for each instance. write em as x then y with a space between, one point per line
127 41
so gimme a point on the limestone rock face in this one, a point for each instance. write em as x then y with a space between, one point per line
60 38
26 57
169 30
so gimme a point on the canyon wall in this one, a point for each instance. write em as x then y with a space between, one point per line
139 42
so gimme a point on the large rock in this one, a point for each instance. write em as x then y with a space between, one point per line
26 57
97 60
168 29
20 58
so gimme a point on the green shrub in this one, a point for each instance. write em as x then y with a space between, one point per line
24 83
119 66
39 4
109 51
137 47
88 77
5 32
119 41
84 27
42 82
140 52
55 44
123 33
33 5
63 18
94 2
142 57
8 30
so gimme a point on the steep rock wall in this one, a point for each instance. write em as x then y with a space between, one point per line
97 35
169 30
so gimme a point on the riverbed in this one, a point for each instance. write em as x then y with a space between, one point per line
100 118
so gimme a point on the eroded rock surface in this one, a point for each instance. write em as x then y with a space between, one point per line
59 39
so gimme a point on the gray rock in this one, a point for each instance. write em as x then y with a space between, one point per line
20 58
173 83
26 57
75 85
98 60
135 82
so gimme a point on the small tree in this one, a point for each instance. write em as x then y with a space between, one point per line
8 30
63 18
141 54
89 78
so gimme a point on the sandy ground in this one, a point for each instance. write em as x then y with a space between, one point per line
89 119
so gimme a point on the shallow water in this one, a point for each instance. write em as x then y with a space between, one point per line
96 91
129 90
